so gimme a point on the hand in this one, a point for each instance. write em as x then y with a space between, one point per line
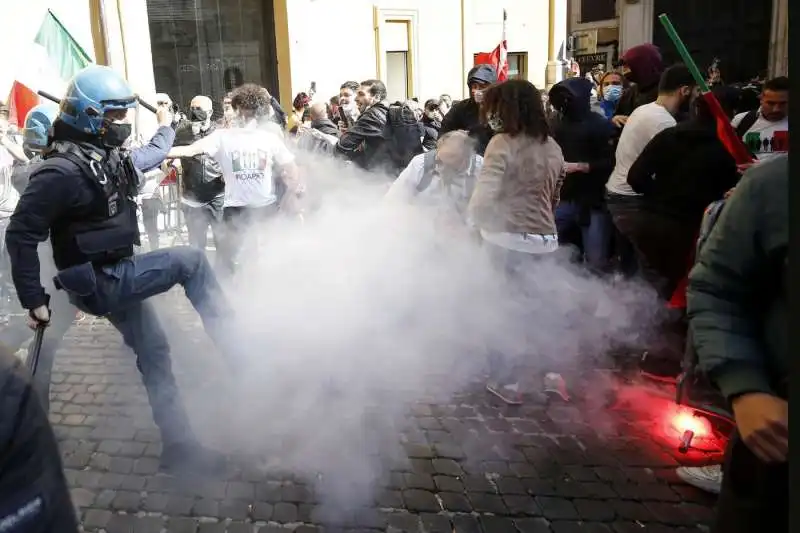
728 193
38 316
570 168
745 166
164 114
763 423
619 120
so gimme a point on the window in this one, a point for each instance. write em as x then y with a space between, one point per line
597 10
517 65
396 51
201 48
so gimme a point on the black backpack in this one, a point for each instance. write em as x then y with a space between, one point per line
404 135
746 123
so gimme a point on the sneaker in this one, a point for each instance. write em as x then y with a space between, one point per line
191 458
509 393
555 384
707 478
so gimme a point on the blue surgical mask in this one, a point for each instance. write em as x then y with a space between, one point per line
612 93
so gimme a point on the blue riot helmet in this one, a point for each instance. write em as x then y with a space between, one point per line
37 126
93 92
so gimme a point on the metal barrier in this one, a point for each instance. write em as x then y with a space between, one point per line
171 213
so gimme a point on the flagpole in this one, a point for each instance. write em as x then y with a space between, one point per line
505 23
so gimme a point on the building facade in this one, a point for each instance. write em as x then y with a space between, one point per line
419 48
748 38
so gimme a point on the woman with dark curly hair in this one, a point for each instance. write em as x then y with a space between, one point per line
248 153
516 194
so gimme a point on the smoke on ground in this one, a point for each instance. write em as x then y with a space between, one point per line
370 306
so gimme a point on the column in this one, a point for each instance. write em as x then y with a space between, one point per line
557 42
779 39
635 23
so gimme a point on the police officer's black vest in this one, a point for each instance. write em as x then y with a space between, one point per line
107 229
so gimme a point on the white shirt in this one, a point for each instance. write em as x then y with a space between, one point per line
765 139
644 123
405 186
247 156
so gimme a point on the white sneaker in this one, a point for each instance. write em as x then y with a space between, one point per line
554 383
707 478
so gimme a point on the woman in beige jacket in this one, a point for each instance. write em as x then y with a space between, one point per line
515 196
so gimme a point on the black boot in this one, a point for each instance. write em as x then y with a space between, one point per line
190 457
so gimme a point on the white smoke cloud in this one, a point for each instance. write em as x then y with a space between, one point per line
369 307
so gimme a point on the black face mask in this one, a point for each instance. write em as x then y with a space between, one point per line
116 134
198 115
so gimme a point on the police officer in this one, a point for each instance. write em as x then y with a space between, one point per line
83 195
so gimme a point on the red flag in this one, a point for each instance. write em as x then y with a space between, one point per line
20 101
498 58
726 133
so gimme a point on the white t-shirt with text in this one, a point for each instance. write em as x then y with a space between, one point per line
644 123
765 139
247 156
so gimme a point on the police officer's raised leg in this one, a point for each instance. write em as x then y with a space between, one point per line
141 330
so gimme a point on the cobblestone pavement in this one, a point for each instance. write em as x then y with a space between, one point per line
532 469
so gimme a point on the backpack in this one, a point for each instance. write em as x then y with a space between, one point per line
746 123
404 135
429 166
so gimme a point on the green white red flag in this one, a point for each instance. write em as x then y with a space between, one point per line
54 57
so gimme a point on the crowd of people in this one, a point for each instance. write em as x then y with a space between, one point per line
618 168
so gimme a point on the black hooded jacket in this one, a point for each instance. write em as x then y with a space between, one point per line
202 174
646 66
682 170
465 115
584 137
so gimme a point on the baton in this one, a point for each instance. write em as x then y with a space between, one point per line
57 100
35 347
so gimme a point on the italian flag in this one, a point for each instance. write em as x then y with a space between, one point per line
54 58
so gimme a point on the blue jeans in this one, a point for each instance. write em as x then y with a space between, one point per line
120 292
595 228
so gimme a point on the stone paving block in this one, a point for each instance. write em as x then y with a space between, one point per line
435 523
284 512
521 505
240 527
466 524
594 510
557 508
532 525
487 503
455 502
579 527
420 500
182 525
96 518
211 528
448 484
235 510
403 523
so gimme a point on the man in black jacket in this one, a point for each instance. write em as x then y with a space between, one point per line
203 188
365 143
586 139
465 115
738 306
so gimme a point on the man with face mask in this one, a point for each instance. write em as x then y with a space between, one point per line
465 115
83 197
203 188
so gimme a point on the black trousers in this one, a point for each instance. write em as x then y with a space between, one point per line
663 244
754 496
238 221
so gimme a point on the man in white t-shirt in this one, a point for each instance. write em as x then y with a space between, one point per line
675 92
765 131
252 157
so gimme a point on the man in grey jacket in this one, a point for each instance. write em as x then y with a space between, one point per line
738 311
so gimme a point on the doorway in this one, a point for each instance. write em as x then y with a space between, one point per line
737 32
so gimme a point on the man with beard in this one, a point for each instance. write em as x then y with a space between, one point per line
203 188
642 67
676 90
365 143
465 114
